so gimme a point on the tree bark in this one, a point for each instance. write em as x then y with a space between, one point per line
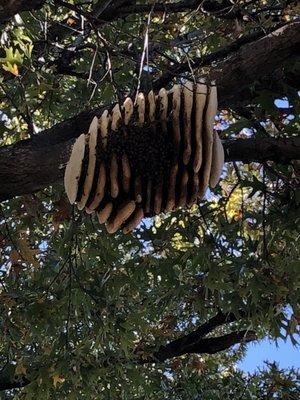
116 9
34 164
279 150
243 62
211 345
31 165
8 8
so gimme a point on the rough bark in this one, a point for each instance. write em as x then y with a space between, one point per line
254 60
11 7
279 150
118 8
31 165
243 62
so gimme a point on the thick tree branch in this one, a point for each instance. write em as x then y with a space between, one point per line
180 6
220 9
243 62
204 346
112 10
9 8
185 343
256 60
281 150
31 165
8 383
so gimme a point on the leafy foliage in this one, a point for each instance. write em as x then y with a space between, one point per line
81 312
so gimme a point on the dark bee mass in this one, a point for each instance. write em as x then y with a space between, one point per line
147 167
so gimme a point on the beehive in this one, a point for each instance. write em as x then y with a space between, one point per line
146 157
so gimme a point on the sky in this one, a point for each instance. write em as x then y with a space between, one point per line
285 354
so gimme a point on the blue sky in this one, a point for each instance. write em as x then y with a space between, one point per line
285 354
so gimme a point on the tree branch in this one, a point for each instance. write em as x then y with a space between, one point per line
185 343
223 9
9 8
204 346
34 164
180 6
243 62
8 383
279 150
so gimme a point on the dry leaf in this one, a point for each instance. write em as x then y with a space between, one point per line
57 379
20 369
15 257
13 69
28 254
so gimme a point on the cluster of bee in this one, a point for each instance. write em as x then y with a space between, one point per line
147 156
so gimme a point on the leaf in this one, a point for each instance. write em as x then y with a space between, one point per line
12 57
28 254
62 214
20 369
13 69
58 379
15 257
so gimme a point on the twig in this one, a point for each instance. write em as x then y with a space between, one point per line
145 51
69 302
265 249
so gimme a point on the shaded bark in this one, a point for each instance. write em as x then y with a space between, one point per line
34 164
255 60
31 165
220 9
279 150
243 62
194 342
8 383
9 8
115 9
205 346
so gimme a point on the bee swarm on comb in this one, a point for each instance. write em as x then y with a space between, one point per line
157 154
